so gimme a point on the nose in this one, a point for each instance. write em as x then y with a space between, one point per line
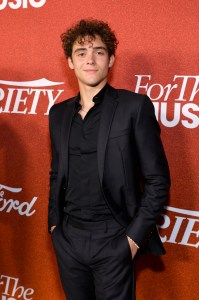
90 58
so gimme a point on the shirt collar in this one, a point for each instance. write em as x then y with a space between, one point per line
98 98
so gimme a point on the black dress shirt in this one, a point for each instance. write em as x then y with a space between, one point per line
84 198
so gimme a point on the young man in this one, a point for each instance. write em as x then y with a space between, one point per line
109 174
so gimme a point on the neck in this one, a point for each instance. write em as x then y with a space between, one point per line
88 92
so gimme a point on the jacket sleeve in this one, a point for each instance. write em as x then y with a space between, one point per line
154 169
52 214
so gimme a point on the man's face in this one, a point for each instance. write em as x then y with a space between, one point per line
91 62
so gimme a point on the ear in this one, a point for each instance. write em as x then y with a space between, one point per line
70 63
111 61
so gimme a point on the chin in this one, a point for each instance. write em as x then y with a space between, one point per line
95 83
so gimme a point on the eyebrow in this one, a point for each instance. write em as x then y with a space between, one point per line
95 48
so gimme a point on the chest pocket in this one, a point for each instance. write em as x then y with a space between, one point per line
117 133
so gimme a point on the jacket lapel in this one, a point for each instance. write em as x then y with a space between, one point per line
107 114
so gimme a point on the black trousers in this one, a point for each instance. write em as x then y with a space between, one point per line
94 260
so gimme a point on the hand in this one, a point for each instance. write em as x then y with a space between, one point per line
52 228
133 247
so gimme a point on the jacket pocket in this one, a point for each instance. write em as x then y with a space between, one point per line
118 133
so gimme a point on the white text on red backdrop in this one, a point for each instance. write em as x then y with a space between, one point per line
23 208
16 4
24 97
12 290
184 107
182 226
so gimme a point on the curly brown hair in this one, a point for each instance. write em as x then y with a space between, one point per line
91 28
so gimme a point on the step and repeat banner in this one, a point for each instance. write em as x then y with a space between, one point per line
157 55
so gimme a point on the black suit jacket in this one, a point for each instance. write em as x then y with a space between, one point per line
132 166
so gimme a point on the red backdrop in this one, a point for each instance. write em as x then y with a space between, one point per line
157 55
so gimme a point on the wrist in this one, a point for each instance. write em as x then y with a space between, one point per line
52 228
133 242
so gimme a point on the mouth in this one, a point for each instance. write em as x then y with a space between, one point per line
90 70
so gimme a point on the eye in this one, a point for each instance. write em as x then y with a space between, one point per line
100 52
81 54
